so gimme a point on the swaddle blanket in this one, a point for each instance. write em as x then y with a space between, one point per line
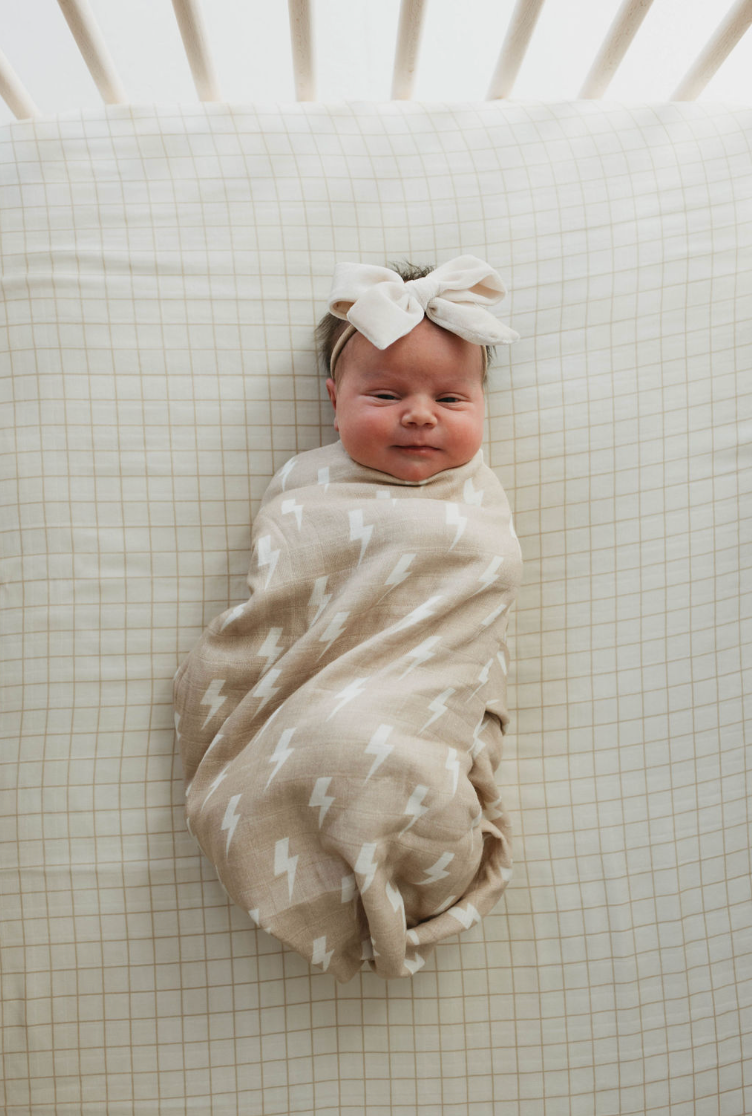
340 730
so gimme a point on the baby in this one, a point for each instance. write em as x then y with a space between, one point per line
340 730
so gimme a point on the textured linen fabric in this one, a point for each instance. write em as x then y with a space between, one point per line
161 271
372 642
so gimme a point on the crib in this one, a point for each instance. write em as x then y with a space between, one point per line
163 266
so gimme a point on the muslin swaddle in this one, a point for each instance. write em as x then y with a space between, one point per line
340 730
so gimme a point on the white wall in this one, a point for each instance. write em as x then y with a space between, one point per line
355 49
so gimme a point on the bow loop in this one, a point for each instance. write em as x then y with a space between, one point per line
384 307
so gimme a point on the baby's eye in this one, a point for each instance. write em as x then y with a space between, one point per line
385 395
450 399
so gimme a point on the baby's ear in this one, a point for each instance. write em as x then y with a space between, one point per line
331 388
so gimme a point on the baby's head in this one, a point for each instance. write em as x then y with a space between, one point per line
413 408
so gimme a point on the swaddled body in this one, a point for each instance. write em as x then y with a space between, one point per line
340 731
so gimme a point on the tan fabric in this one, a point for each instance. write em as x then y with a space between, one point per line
341 729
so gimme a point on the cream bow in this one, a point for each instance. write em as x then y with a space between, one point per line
383 307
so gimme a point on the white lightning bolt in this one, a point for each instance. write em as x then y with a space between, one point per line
495 614
324 477
349 889
502 660
366 866
454 519
319 597
495 809
267 556
233 614
320 956
422 612
256 916
212 698
280 753
355 689
290 507
398 574
437 706
420 654
360 533
412 964
270 649
452 764
436 871
286 469
320 797
266 688
366 949
377 746
443 906
482 678
489 575
230 820
214 742
412 936
511 528
334 630
222 775
466 917
176 718
283 862
478 745
470 496
385 494
394 896
414 806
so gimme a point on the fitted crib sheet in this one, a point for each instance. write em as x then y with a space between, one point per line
162 268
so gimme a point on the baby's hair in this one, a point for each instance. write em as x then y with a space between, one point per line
329 328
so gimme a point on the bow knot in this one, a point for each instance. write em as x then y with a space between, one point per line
384 307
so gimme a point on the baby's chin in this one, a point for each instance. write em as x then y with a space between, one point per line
409 465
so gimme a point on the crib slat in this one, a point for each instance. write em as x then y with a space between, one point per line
613 48
406 54
90 42
13 92
196 43
301 38
514 48
716 50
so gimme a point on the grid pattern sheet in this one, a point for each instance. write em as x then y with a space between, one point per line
162 269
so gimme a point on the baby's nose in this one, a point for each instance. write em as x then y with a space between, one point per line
419 412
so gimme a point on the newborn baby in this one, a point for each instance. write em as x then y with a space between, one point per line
340 730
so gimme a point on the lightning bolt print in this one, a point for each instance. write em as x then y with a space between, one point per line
454 519
290 507
265 688
355 689
466 917
422 612
359 533
320 797
270 649
334 630
378 747
394 895
437 706
234 614
323 477
267 556
495 614
366 866
281 753
319 598
436 871
470 496
222 775
478 745
412 964
482 678
212 698
286 469
230 820
489 576
415 807
320 956
452 764
420 654
283 862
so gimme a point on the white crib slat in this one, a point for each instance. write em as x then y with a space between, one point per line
196 43
301 38
90 42
716 50
406 54
519 34
616 44
13 92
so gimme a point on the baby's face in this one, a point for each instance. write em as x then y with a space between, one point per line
414 408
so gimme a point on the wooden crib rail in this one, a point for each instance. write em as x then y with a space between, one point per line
193 31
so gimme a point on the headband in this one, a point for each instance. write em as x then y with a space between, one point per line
378 303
